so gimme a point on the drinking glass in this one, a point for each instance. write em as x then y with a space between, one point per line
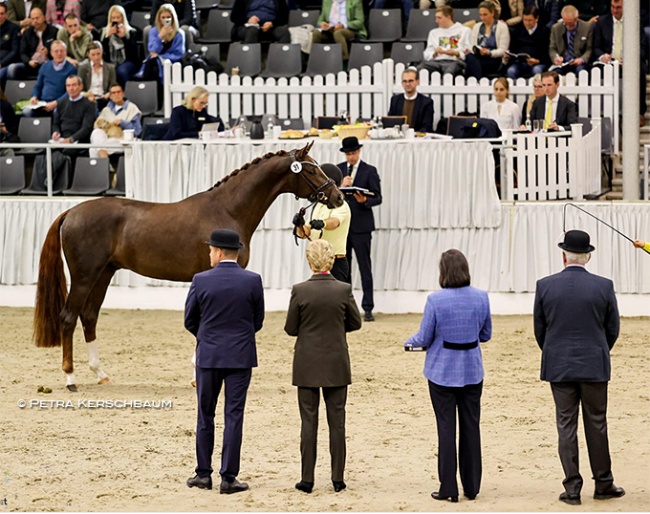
536 126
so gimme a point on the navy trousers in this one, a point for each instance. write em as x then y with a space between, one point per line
360 243
467 400
208 387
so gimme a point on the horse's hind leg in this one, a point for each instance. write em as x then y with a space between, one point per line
69 315
89 316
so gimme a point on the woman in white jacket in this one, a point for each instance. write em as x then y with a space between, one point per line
505 112
489 40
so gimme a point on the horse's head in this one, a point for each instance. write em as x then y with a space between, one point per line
313 183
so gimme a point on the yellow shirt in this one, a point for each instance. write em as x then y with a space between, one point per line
337 237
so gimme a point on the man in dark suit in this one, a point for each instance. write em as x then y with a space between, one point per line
417 108
224 309
322 305
360 174
556 111
576 325
571 42
608 47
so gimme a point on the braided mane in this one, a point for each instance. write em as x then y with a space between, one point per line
279 153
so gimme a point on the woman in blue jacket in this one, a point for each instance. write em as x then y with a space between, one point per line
187 119
166 41
456 319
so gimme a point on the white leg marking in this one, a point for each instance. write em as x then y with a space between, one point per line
69 379
93 362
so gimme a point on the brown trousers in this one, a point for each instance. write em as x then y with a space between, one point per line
340 36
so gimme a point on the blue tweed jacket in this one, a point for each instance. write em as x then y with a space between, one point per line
457 316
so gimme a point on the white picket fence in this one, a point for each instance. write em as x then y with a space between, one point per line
366 93
553 166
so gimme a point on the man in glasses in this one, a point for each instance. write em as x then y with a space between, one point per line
417 108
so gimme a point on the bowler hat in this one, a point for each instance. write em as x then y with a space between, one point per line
350 144
576 241
224 238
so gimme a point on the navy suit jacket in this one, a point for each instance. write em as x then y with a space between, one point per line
367 177
604 37
567 112
576 325
224 309
422 120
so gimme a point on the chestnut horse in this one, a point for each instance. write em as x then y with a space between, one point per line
163 241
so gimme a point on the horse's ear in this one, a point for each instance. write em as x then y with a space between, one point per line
302 153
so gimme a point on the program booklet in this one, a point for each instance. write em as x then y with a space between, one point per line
518 57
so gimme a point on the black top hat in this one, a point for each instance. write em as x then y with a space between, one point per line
576 241
332 171
350 144
224 238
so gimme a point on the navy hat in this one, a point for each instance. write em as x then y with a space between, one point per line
224 238
350 144
576 241
332 171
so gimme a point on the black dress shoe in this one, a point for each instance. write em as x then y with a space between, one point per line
369 316
338 486
201 483
469 496
232 487
570 498
437 496
304 486
612 492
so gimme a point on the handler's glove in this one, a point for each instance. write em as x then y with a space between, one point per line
317 224
299 219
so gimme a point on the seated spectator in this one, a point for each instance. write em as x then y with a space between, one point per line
18 12
8 124
528 37
166 41
505 112
417 108
97 75
9 43
571 42
340 21
73 118
489 41
407 5
260 20
187 120
95 13
118 113
538 92
446 45
120 46
57 10
555 111
549 11
590 10
51 83
186 16
513 12
76 39
34 47
608 47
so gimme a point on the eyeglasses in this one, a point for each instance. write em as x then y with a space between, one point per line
407 81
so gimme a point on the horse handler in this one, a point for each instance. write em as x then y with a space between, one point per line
224 310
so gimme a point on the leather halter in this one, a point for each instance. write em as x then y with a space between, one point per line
318 194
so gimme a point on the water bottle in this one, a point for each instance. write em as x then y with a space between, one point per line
226 129
528 126
242 124
269 130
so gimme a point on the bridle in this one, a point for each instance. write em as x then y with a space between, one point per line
318 194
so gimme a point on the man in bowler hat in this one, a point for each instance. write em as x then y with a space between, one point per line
576 325
224 310
360 174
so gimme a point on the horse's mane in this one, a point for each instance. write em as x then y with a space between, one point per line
279 153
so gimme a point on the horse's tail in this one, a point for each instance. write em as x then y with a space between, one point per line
51 289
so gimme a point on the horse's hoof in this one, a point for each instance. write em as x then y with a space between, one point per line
72 388
104 380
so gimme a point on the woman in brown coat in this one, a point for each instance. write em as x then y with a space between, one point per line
321 311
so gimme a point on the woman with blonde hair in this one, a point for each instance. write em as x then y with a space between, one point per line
187 119
166 41
538 92
119 43
321 311
505 112
489 40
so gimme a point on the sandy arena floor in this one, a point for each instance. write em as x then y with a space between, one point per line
100 459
